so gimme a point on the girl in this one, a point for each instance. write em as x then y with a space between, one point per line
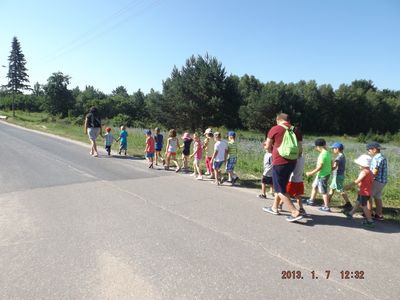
159 139
187 141
172 146
209 147
197 154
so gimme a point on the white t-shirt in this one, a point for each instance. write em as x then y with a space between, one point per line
221 147
297 175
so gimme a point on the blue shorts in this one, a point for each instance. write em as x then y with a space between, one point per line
362 200
149 154
123 146
281 175
218 164
230 164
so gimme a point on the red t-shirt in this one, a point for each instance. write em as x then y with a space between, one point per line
365 185
150 144
276 134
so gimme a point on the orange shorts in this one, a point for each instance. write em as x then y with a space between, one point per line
295 188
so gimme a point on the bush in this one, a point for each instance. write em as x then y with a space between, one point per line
121 119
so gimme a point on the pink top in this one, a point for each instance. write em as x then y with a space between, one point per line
197 149
365 185
150 144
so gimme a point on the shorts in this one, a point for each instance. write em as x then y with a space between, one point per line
123 146
218 164
266 180
281 175
149 154
158 149
171 153
337 183
93 133
230 164
321 183
295 189
377 188
362 200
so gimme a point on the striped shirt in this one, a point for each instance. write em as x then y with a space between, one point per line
379 162
109 138
232 149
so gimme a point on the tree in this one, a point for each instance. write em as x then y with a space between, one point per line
58 99
17 72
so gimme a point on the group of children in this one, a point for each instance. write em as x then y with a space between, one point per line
370 181
216 152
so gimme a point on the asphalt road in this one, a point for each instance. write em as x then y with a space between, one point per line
77 227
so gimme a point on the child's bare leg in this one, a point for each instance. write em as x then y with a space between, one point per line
331 193
367 213
299 201
325 197
263 189
345 197
313 193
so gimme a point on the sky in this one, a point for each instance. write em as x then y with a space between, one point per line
136 43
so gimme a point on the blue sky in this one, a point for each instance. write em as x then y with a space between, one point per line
136 43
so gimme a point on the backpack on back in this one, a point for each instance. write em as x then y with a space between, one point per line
289 148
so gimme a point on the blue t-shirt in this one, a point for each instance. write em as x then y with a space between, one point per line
341 164
123 136
159 139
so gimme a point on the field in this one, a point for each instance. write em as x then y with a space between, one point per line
249 166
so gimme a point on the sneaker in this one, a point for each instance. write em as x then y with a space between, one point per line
310 202
324 209
199 177
348 215
368 224
193 174
178 169
207 174
235 179
347 206
378 218
262 196
294 219
302 211
270 210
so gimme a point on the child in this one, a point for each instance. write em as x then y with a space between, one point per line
109 140
150 149
338 169
364 182
187 141
172 146
232 157
295 186
197 154
209 147
379 169
323 171
123 140
219 157
267 174
159 139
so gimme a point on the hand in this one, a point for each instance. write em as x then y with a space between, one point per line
308 174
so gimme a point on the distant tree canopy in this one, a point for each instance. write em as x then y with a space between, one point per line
201 94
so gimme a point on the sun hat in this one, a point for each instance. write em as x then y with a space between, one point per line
208 130
231 133
363 160
320 143
186 136
374 145
337 146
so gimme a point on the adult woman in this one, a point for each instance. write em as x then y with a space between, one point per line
93 128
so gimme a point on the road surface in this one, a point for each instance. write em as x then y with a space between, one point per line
77 227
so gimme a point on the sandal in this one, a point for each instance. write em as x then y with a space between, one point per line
294 219
271 211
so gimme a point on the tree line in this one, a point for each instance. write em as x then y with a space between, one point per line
201 94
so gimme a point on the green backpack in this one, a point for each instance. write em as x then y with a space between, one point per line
289 148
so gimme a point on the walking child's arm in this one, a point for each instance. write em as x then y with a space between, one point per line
166 147
214 155
205 144
269 145
315 171
357 181
334 165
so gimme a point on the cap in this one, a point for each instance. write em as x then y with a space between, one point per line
337 146
148 132
231 133
186 136
363 160
320 142
374 145
208 130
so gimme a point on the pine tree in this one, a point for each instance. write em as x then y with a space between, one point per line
17 72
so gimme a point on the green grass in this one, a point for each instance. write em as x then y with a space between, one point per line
250 161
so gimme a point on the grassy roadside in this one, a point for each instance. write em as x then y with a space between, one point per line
249 166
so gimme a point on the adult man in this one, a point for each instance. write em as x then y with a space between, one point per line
282 167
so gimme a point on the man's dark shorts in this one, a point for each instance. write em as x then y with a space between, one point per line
281 175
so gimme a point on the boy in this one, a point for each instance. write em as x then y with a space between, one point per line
232 157
208 146
323 171
364 181
109 140
267 174
159 141
123 140
219 157
379 169
295 186
150 149
338 169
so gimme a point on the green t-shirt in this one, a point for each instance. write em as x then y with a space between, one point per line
232 149
325 158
